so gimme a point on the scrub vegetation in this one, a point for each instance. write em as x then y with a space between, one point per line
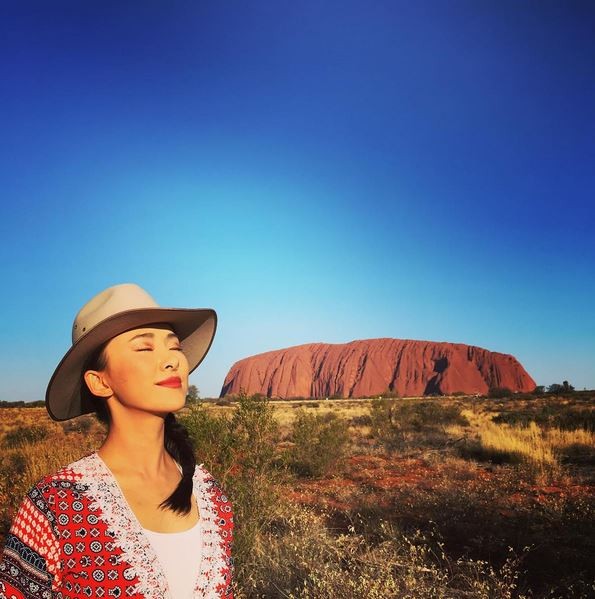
442 497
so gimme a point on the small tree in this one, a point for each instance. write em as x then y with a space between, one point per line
239 450
192 395
385 425
557 389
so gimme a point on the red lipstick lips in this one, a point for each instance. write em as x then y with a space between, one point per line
173 381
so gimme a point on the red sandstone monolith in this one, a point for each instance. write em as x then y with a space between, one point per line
372 366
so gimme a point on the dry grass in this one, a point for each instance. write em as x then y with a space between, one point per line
23 461
459 510
305 559
542 450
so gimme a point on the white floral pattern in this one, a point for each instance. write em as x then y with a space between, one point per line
137 550
213 555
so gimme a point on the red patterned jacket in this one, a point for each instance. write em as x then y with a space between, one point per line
75 535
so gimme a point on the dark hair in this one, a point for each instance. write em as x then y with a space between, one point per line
177 442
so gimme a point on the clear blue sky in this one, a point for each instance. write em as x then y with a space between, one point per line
314 171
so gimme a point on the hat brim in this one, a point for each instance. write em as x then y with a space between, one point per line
195 329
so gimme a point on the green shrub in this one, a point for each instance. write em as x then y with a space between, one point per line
211 438
254 433
240 453
385 425
245 441
320 441
392 421
254 483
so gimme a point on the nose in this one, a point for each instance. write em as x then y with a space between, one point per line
171 361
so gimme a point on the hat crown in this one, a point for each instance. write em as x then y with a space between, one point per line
111 301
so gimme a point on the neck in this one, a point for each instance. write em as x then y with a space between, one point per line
135 444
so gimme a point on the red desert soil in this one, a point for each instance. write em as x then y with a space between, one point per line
382 478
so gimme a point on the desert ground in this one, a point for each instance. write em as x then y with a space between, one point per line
405 497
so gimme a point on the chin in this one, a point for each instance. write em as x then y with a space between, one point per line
175 406
175 402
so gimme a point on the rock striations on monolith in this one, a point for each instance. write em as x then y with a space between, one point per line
367 367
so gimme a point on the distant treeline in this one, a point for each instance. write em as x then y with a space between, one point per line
554 390
494 393
22 404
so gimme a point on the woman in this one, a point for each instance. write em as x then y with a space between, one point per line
136 518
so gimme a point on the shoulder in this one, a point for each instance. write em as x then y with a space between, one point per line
50 491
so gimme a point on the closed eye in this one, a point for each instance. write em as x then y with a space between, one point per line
151 349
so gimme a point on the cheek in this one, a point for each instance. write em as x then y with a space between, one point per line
135 375
184 363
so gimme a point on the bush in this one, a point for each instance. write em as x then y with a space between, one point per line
246 441
391 420
385 426
564 389
25 435
320 441
240 453
254 433
499 392
211 438
254 483
550 416
363 420
82 424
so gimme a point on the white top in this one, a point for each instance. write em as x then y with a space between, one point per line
179 553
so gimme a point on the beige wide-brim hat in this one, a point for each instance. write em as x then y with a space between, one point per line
113 311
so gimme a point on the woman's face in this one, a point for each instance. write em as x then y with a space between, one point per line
139 360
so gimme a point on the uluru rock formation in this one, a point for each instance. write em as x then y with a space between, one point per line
372 366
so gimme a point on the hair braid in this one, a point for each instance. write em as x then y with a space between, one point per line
177 443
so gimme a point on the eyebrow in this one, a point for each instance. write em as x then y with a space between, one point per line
152 335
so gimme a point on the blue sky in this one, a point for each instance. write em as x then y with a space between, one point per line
314 171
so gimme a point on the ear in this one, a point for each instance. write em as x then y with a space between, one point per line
97 385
